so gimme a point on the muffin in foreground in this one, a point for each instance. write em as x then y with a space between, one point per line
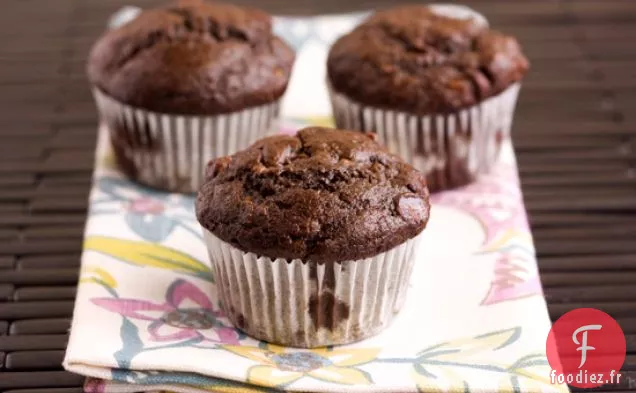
312 237
180 85
439 90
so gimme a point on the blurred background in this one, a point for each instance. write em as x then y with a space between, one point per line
574 132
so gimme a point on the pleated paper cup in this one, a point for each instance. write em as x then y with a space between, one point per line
170 152
452 149
303 304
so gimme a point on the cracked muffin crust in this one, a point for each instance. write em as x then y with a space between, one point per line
411 59
322 196
193 58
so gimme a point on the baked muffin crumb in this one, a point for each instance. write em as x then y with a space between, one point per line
411 59
323 195
193 57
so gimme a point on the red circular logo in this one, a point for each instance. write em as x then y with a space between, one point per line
586 348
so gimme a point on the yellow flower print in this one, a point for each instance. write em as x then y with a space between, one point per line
278 366
107 160
445 380
97 275
512 235
530 373
147 254
322 121
220 388
448 366
232 389
443 366
482 346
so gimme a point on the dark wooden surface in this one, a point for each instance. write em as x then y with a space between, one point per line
575 134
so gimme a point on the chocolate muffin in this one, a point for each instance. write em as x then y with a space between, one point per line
182 84
312 236
439 89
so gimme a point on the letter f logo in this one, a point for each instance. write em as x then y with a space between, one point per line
584 347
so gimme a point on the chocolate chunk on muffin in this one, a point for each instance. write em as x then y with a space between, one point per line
195 80
439 90
325 217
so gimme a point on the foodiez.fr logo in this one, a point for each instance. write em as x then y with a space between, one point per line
591 349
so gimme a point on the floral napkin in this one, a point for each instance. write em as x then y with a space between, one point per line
147 315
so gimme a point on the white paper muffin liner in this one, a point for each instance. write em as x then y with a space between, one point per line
278 300
170 152
451 149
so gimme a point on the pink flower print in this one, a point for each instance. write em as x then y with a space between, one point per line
288 131
495 200
145 205
515 277
94 385
187 314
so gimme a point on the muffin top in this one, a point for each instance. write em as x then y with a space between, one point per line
415 60
193 58
322 196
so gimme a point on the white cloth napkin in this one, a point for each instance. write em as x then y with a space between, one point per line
147 315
